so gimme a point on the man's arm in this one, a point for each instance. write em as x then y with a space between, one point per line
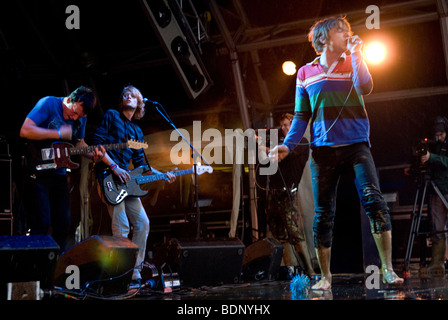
361 75
433 158
31 131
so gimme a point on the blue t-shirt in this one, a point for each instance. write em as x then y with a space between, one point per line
48 114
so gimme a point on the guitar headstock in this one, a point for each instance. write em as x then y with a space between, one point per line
202 169
133 144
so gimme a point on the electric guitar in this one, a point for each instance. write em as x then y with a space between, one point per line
115 191
58 154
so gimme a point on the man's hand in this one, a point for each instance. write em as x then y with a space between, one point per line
170 177
425 158
121 173
98 155
66 132
279 153
354 44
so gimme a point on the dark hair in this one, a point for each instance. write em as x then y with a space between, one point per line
321 28
86 96
440 124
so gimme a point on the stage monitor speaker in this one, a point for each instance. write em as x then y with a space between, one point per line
262 260
26 259
202 262
105 264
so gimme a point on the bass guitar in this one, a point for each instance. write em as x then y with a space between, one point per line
115 191
58 154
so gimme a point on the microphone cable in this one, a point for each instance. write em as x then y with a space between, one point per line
339 114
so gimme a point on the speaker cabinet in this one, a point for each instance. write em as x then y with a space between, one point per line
6 225
27 258
5 187
105 264
262 260
202 262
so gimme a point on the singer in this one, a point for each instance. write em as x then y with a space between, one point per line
328 95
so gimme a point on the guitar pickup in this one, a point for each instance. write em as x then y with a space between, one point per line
47 154
109 186
123 194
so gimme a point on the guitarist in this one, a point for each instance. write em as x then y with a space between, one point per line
116 127
53 119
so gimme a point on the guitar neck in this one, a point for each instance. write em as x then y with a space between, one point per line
161 176
88 149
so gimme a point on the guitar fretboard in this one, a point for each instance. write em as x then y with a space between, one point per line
85 150
161 176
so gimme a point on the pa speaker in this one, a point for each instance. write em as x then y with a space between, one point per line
26 259
105 264
180 44
202 262
6 187
262 260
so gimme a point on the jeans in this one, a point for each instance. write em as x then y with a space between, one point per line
48 207
131 210
327 165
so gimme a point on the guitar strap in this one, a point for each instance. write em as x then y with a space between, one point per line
144 153
146 160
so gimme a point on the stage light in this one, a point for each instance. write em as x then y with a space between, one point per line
289 68
375 52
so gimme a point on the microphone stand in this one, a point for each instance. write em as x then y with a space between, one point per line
195 154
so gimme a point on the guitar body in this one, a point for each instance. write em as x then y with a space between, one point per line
44 155
115 191
62 155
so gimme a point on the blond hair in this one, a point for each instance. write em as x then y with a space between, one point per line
140 111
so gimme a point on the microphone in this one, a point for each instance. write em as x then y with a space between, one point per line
355 41
146 100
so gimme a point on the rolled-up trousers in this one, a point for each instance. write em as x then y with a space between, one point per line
327 165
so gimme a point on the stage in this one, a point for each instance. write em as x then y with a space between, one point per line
346 287
272 299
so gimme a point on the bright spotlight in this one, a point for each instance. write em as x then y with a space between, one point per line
289 68
375 52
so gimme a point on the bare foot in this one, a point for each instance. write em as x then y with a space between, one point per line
390 277
323 284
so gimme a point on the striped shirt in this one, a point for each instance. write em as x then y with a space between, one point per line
332 103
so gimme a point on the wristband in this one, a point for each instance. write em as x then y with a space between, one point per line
112 167
59 133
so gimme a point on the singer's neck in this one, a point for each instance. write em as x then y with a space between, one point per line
328 57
